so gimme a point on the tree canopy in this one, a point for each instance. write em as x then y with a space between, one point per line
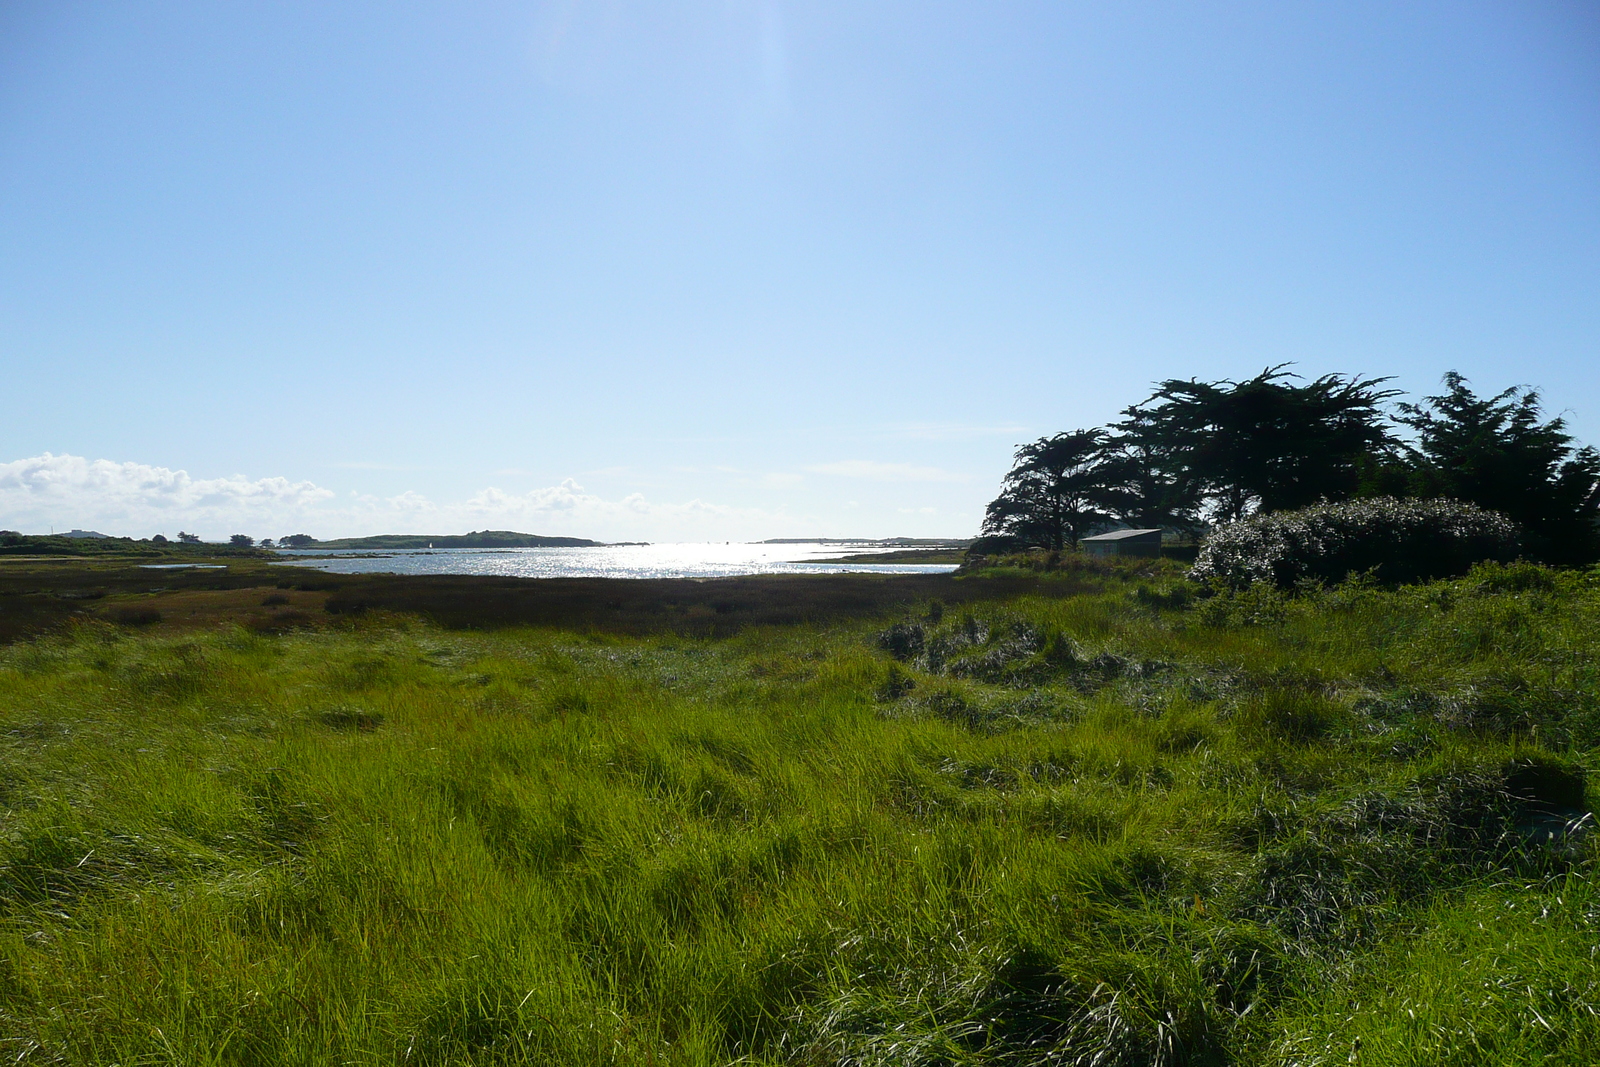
1200 453
1496 453
1263 444
1058 488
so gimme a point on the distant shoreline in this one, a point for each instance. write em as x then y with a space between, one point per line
911 555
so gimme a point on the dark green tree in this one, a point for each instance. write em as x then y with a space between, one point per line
1149 496
241 540
1263 444
1498 453
1058 489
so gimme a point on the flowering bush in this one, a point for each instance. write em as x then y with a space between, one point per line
1400 540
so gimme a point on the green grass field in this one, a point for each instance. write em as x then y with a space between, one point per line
1122 827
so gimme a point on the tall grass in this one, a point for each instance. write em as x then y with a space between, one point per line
1119 828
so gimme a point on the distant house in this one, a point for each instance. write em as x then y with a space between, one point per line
85 533
1124 543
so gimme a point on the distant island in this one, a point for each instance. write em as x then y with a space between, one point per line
477 539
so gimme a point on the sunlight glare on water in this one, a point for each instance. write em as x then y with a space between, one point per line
691 560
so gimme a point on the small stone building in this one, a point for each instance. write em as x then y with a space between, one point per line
1124 543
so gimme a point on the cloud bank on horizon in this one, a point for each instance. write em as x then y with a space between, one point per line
139 500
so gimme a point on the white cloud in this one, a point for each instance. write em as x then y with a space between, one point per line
66 491
885 472
137 499
569 499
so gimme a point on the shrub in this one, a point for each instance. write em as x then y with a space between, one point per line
1396 540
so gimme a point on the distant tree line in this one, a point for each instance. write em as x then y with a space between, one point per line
1196 454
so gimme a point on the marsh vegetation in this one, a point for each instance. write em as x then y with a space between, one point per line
1078 816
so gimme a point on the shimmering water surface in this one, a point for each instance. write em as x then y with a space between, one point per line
694 560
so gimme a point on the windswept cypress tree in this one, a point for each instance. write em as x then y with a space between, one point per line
1059 488
1263 444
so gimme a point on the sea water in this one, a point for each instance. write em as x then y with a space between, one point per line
692 560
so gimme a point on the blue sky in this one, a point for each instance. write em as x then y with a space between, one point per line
744 268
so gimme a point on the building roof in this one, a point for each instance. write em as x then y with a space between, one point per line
1122 535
